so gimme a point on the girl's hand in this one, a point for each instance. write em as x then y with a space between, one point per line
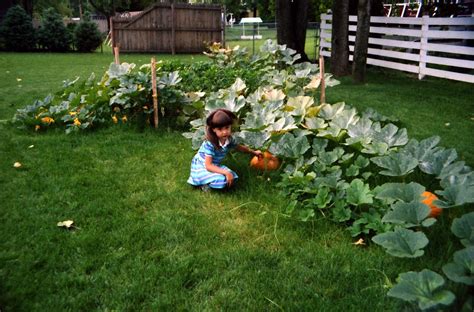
230 178
258 153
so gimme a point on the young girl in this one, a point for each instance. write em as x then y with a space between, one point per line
206 170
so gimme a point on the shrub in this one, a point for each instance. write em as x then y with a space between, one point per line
87 36
16 31
53 34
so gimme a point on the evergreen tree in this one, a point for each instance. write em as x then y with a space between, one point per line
53 34
16 31
87 36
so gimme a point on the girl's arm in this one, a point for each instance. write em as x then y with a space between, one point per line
213 168
245 149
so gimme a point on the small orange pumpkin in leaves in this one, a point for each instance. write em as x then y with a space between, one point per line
428 199
265 162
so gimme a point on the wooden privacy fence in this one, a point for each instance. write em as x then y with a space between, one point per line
439 47
169 28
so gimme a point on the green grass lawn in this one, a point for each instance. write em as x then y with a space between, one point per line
145 240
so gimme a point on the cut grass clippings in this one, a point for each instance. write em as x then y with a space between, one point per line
145 240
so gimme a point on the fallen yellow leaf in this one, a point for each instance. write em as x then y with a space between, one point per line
359 242
67 224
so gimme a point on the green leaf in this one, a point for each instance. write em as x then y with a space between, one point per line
319 145
238 86
423 288
344 119
402 242
314 123
323 197
392 136
340 212
253 139
409 214
290 146
352 171
423 149
462 269
400 191
463 228
359 193
329 111
456 195
436 161
299 105
396 164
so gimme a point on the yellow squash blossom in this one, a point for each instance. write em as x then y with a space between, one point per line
77 122
47 120
114 119
72 113
124 119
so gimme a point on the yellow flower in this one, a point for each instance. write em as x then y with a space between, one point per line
124 118
114 119
37 127
72 113
47 120
77 122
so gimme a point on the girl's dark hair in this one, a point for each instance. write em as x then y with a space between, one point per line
218 119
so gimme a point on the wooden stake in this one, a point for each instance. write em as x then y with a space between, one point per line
116 54
322 84
155 93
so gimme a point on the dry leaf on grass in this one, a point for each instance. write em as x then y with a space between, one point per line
66 224
359 242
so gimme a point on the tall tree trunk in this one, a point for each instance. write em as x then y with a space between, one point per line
362 41
340 38
292 21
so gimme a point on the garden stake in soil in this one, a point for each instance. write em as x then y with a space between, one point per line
323 84
155 93
116 54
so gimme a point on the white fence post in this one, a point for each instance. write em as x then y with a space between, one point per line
425 26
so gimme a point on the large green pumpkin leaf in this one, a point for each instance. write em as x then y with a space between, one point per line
344 119
409 214
424 288
423 149
400 191
402 242
329 111
456 195
435 162
463 228
462 269
359 193
285 123
253 139
396 164
290 146
314 123
392 136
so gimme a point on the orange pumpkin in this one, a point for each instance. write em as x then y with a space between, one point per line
428 200
267 162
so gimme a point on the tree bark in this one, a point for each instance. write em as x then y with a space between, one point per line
361 42
292 21
340 38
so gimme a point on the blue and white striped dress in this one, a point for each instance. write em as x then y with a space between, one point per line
200 175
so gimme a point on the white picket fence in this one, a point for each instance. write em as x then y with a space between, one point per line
426 46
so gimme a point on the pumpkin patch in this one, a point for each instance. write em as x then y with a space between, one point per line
428 200
265 162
